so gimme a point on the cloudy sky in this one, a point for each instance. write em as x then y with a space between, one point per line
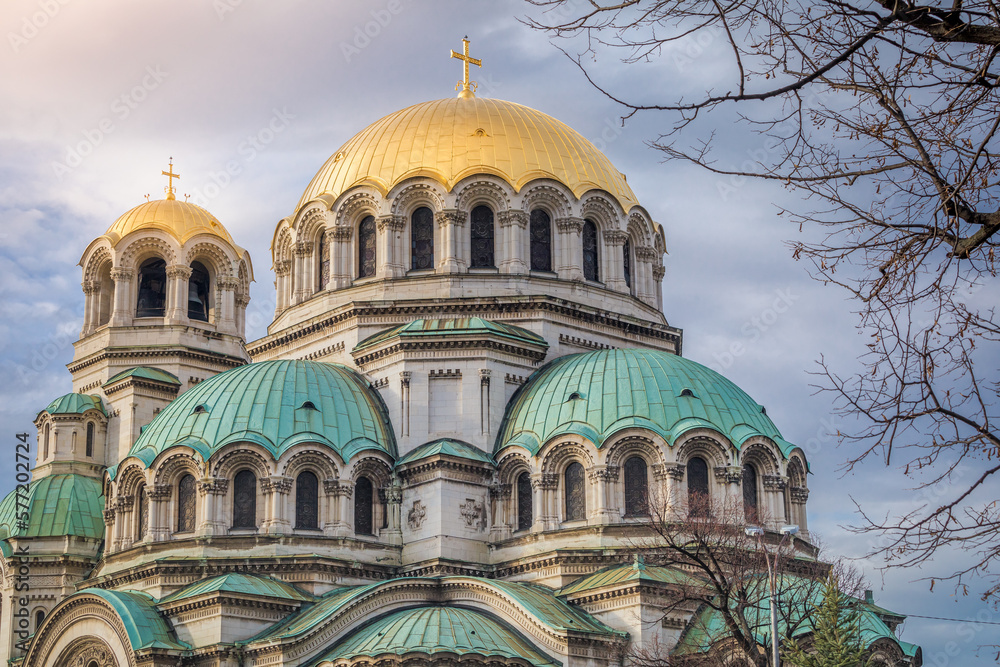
98 95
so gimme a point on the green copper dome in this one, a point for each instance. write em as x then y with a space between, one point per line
434 630
75 404
276 404
597 394
55 505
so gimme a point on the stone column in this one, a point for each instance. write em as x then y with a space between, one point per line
451 222
302 273
225 304
731 477
605 477
282 287
344 492
393 497
109 528
126 519
91 306
513 227
177 293
614 277
275 490
570 260
212 491
645 289
501 518
673 475
389 254
773 487
658 273
122 313
242 301
341 272
544 486
159 512
799 496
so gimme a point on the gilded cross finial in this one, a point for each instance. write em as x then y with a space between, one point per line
465 87
169 173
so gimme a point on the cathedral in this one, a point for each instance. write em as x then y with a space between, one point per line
442 451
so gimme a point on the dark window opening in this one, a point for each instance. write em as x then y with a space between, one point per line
90 440
627 262
245 500
541 241
482 237
363 507
750 492
143 509
186 499
697 482
366 247
307 501
422 239
324 263
198 293
152 289
636 487
576 492
525 511
590 268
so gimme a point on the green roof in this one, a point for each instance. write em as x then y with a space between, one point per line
308 617
147 373
597 394
145 627
462 326
236 582
799 595
57 505
449 447
433 630
627 573
75 404
276 404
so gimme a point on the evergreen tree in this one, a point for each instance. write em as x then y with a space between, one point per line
836 639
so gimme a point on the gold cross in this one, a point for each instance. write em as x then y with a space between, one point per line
169 173
465 87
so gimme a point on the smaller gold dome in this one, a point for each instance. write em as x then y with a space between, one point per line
180 219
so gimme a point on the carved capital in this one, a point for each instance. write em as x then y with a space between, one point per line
484 376
659 272
179 272
109 517
672 470
451 216
121 275
800 494
569 225
499 491
91 287
615 237
645 253
228 283
158 492
394 223
546 480
404 378
276 483
216 486
282 267
303 248
513 218
729 474
774 481
342 234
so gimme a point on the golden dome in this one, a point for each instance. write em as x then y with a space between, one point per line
450 139
180 219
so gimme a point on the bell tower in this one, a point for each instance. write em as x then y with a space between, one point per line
166 290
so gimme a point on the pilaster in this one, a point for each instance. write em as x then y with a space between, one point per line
451 222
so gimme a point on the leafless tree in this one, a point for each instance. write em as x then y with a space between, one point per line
884 116
722 576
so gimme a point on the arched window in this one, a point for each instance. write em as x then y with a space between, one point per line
366 247
576 492
697 476
324 264
525 511
363 505
142 521
45 441
422 239
198 293
627 262
152 288
186 506
90 439
540 231
750 492
482 237
39 617
636 487
106 295
590 269
245 500
307 501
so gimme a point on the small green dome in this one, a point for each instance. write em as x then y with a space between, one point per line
276 404
56 505
75 404
434 630
596 394
454 328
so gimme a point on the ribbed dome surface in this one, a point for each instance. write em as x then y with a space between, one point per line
450 139
276 404
599 393
179 218
433 630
